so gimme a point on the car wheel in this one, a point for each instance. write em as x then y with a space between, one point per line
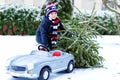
44 74
14 76
70 67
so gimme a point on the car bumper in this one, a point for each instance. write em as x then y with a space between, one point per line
22 74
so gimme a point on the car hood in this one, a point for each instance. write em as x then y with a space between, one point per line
27 59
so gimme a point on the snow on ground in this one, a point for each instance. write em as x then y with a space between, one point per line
18 45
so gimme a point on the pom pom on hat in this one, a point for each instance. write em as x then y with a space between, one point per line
50 8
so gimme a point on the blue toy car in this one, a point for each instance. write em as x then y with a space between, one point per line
39 64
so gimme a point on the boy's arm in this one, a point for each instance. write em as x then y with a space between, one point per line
44 34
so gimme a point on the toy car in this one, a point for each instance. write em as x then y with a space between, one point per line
38 64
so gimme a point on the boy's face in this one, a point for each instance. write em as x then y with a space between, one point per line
53 15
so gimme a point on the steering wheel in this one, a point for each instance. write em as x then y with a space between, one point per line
42 47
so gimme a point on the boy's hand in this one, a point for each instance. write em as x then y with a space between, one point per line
55 46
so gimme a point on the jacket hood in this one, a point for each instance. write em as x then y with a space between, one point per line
46 19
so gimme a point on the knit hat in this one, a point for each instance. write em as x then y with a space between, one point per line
50 8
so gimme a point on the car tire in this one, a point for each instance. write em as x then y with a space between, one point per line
14 76
44 74
70 67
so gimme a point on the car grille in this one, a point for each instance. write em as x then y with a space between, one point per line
18 68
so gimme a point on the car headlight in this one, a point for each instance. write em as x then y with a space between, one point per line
7 63
30 66
9 60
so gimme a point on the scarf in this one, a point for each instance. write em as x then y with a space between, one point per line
55 31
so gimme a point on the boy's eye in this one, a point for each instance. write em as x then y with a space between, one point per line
53 13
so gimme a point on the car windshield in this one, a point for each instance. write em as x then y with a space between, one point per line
39 52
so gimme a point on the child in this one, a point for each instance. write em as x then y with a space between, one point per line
47 32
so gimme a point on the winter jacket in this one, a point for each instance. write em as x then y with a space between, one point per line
44 31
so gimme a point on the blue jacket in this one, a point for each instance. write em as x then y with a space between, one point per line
43 33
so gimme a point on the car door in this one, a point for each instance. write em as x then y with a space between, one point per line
56 63
63 61
60 62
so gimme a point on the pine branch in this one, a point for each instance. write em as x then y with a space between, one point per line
110 8
116 3
74 42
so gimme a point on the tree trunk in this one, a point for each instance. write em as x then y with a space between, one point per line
10 32
14 28
1 32
5 27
